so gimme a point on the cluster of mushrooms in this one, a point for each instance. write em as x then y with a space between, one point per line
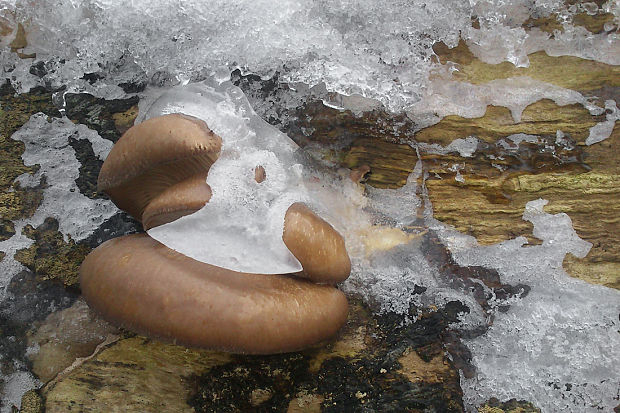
157 173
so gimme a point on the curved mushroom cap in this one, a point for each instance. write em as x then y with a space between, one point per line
317 245
155 155
183 198
144 286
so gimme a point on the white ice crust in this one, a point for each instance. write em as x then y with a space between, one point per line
78 216
241 227
379 50
558 346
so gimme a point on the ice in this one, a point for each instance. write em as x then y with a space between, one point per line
380 50
557 347
335 42
14 389
501 36
448 97
77 215
241 227
465 147
46 143
603 130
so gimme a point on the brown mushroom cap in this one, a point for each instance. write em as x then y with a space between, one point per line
317 245
155 155
145 286
183 198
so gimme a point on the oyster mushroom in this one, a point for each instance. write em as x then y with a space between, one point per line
155 155
317 245
157 173
144 286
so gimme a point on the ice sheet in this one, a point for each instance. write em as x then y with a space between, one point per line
557 347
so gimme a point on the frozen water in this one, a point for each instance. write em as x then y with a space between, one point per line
465 147
377 50
448 97
241 227
14 389
557 347
603 130
47 145
77 214
501 36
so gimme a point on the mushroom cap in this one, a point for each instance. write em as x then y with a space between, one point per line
154 155
316 244
142 285
183 198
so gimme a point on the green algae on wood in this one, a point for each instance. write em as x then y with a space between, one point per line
565 71
543 117
390 164
50 257
131 375
32 402
510 406
358 368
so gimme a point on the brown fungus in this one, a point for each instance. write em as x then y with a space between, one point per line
155 155
144 286
157 172
317 245
183 198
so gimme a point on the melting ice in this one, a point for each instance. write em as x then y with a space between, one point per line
241 226
380 50
557 347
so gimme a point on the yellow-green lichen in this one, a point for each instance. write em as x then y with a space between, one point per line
50 256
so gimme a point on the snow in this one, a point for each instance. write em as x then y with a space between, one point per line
377 50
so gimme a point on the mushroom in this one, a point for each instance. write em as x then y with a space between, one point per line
157 172
180 199
317 245
156 155
144 286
